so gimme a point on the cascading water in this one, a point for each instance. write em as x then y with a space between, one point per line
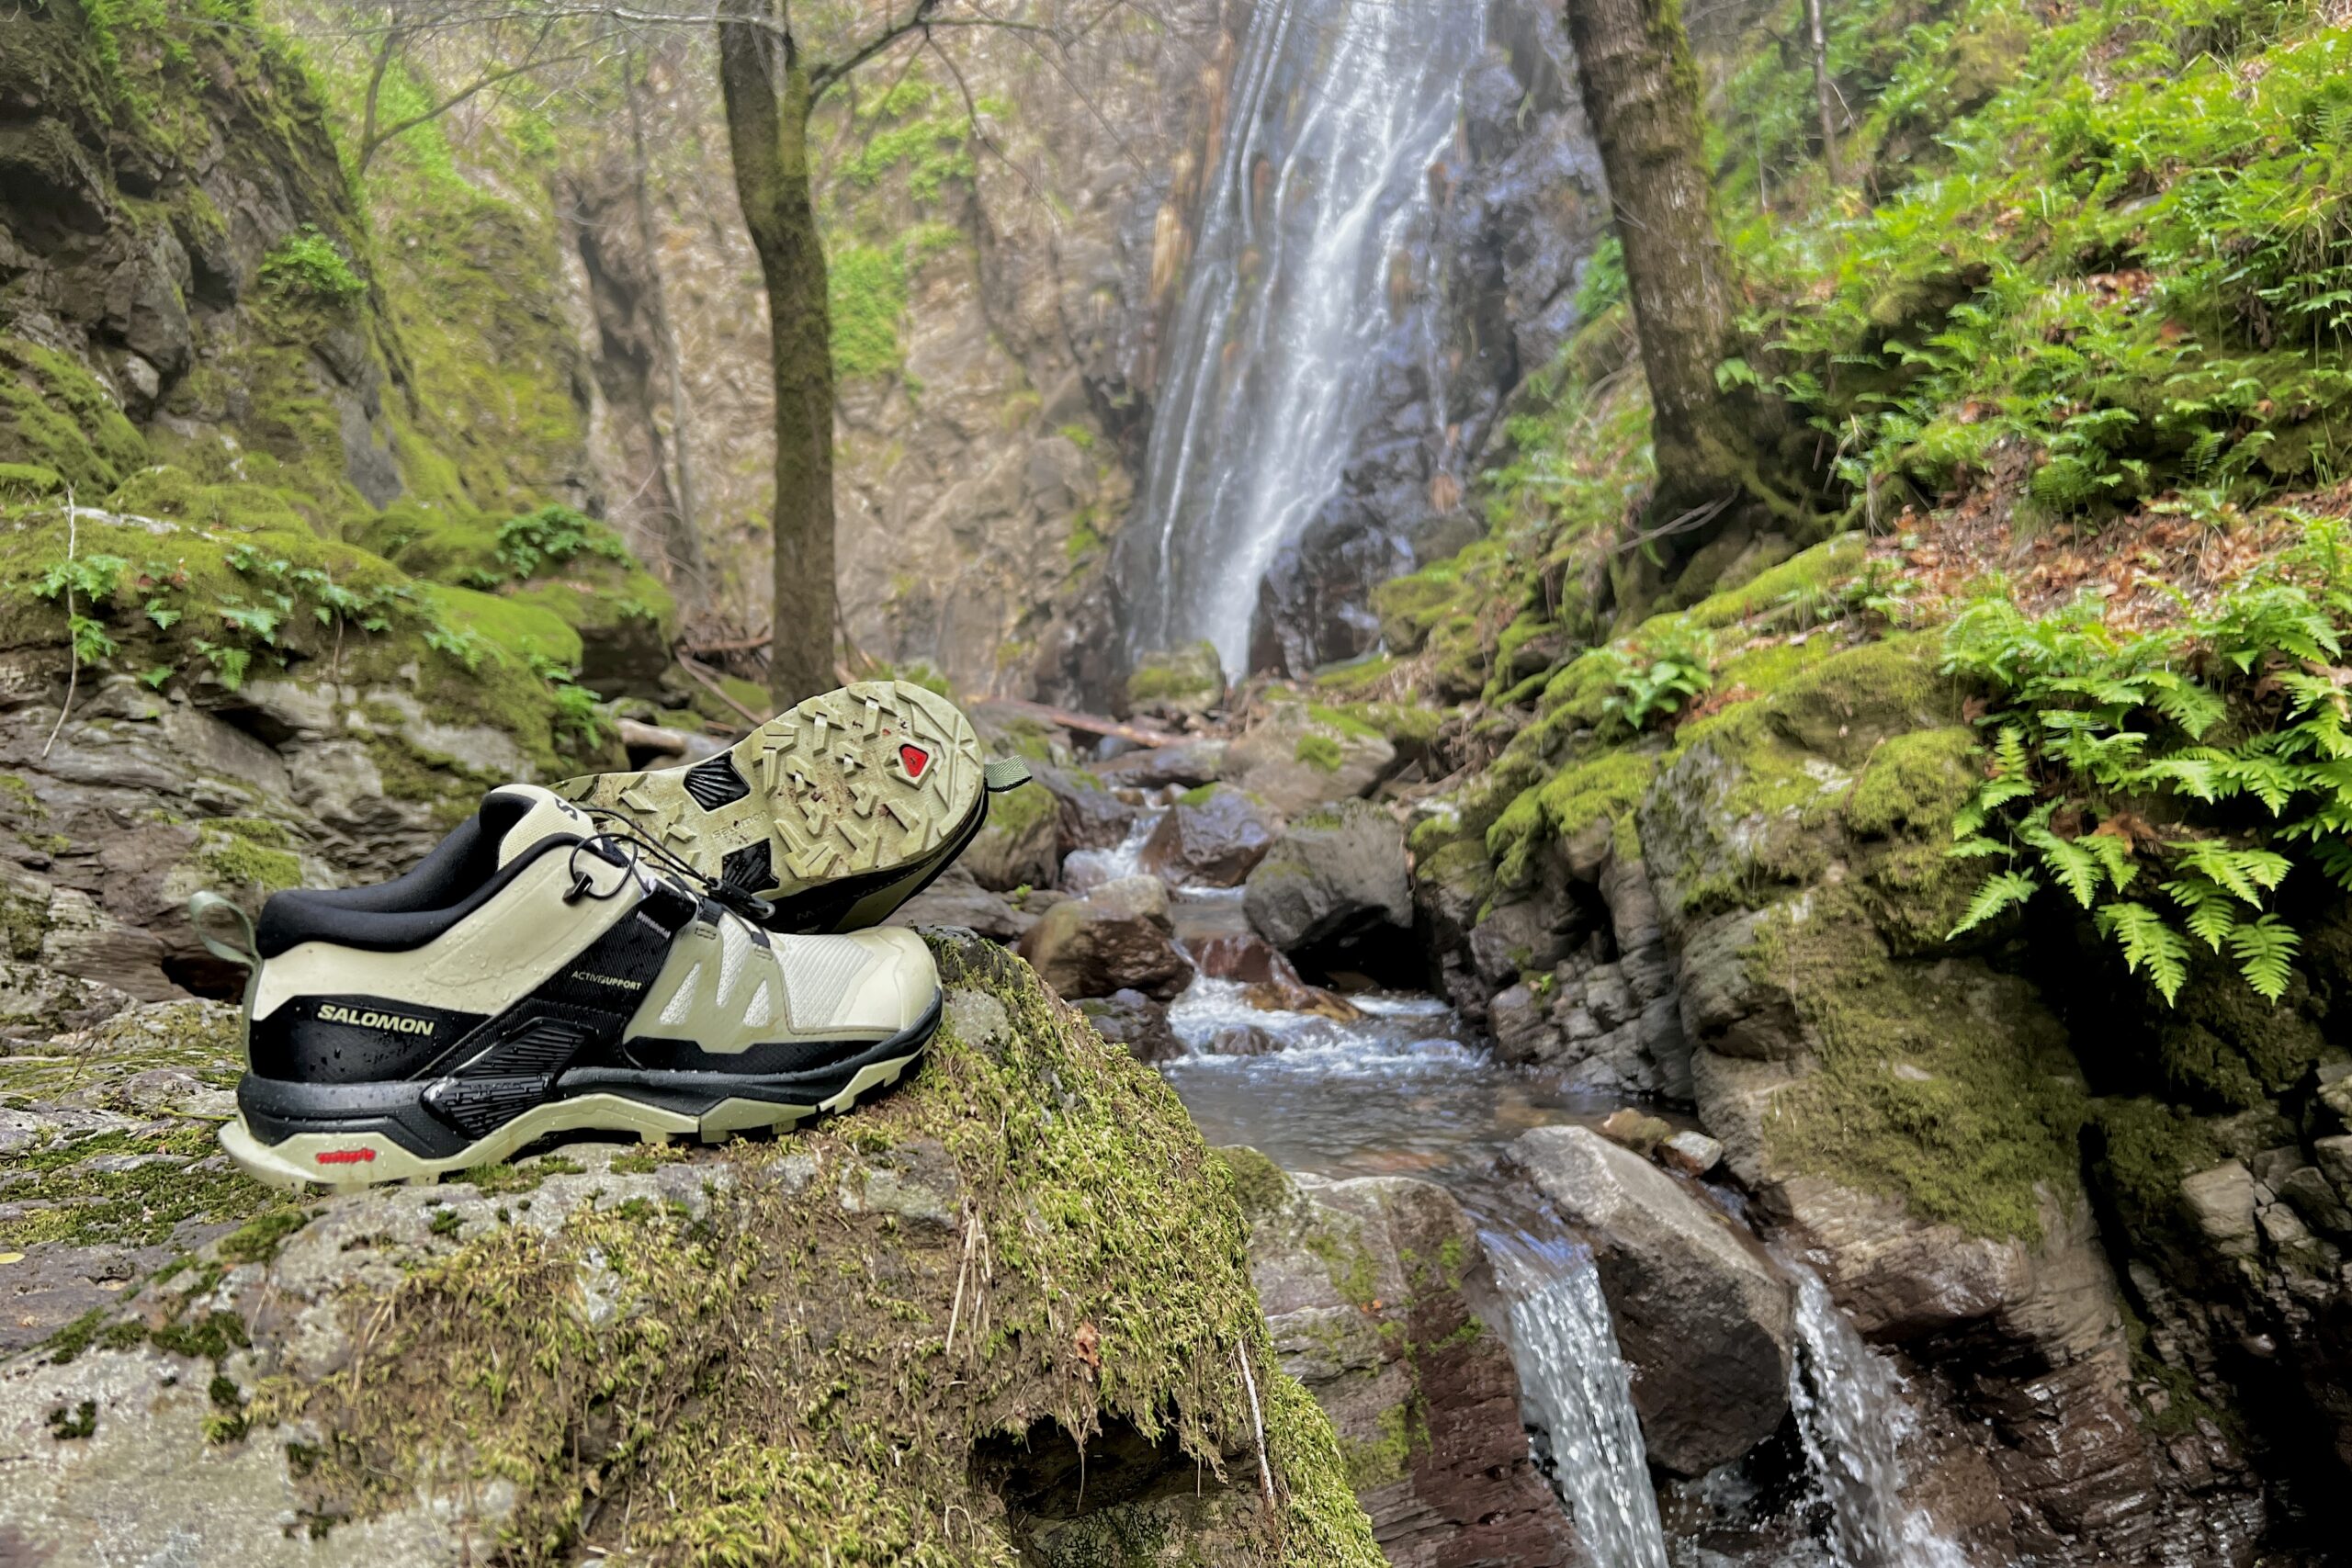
1580 1393
1851 1414
1338 108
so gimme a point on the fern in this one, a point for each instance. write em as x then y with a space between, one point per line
2151 947
2002 891
2263 948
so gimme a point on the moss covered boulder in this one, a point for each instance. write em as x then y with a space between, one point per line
1298 755
1179 684
903 1338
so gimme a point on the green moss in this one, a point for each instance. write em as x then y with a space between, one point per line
1609 787
2141 1150
1403 1431
1938 1083
151 1184
1320 752
244 851
1260 1185
56 417
1187 675
866 292
1117 1290
1801 588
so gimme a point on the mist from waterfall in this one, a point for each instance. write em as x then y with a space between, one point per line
1579 1392
1319 196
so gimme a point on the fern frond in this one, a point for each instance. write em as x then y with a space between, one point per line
2187 704
2001 891
2114 857
2263 949
2248 873
1977 847
2212 913
2150 946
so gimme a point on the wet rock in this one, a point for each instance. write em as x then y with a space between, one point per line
236 1399
1273 982
957 899
1209 838
1020 845
2222 1202
1088 815
1702 1314
1297 758
1383 1304
1242 1040
1335 876
1629 1129
1116 938
1692 1153
1134 1021
1180 684
1517 939
1188 764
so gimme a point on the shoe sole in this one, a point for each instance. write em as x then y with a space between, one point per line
703 1105
837 812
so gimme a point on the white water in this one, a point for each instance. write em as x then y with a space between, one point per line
1579 1390
1854 1420
1337 108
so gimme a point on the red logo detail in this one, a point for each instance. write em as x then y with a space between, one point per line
914 758
347 1156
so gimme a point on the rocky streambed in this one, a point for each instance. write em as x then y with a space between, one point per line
1547 1316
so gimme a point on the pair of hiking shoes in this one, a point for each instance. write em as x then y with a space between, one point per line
686 951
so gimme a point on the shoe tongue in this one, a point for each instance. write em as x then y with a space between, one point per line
520 816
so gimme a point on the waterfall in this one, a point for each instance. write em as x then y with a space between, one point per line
1321 186
1578 1389
1852 1416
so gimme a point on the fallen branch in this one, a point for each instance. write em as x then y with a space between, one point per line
1258 1420
709 682
72 643
1087 723
739 645
639 735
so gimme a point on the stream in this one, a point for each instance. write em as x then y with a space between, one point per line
1409 1089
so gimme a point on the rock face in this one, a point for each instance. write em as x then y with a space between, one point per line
1211 839
1702 1314
1384 1307
1335 876
424 1373
1295 758
1116 938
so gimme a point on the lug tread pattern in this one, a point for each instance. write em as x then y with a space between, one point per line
826 789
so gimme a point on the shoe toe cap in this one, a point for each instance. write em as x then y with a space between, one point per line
900 983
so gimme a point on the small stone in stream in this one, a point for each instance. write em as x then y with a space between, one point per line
1272 984
1116 938
1210 838
1133 1020
1241 1040
1631 1129
1693 1154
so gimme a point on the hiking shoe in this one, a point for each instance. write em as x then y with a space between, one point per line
534 975
834 813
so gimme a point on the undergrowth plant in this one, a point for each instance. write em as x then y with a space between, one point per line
2169 782
1652 683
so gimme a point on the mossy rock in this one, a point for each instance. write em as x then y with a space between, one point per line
204 609
1187 679
885 1340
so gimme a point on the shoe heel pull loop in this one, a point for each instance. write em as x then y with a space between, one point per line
204 908
1004 773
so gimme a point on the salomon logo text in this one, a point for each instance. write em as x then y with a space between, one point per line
394 1022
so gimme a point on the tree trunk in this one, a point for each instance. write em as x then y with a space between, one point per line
1641 93
767 90
1822 90
682 542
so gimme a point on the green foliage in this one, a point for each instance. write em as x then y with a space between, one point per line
865 294
1603 283
529 544
2214 756
1657 679
307 265
2115 240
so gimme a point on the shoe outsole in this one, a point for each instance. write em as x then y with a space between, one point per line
310 1162
875 786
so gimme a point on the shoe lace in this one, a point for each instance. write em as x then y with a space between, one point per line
618 841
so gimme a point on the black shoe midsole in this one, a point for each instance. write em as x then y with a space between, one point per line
821 908
279 1109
